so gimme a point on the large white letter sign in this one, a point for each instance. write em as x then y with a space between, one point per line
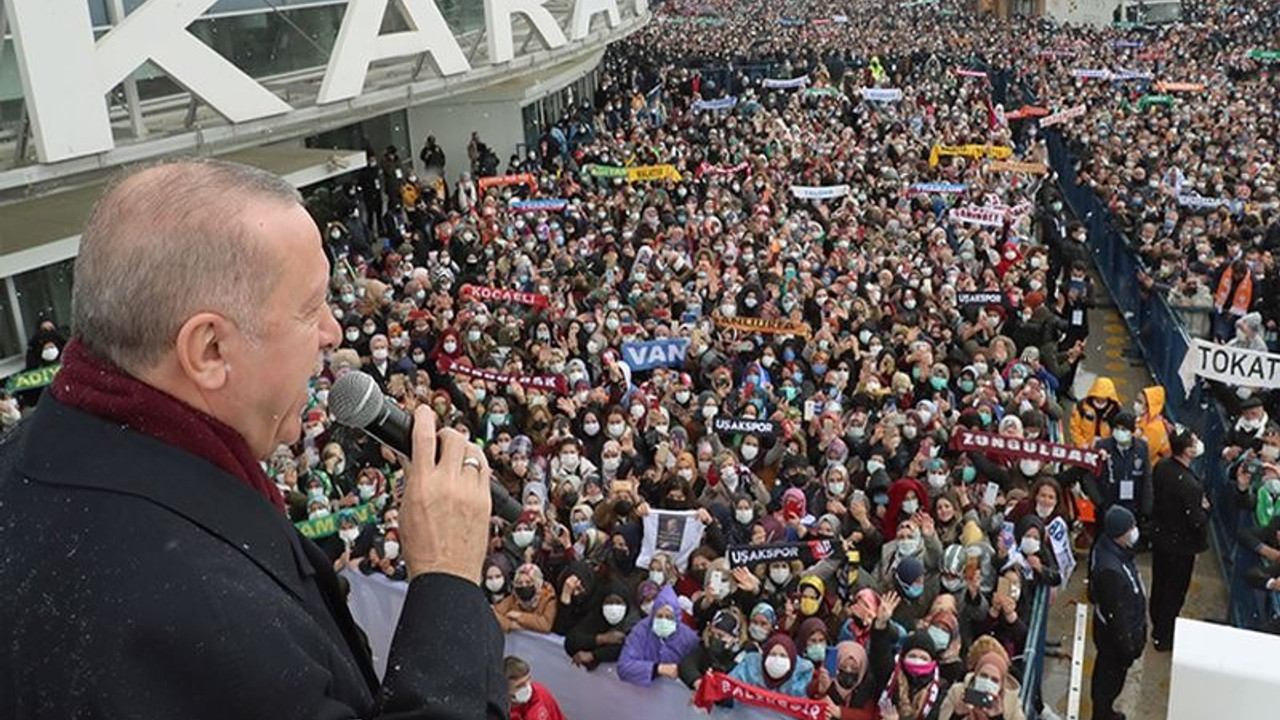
584 10
359 44
65 77
499 15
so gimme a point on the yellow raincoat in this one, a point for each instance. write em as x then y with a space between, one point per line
1089 423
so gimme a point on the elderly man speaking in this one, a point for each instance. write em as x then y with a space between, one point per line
149 570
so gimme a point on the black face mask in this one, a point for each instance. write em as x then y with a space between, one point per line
525 593
719 650
846 679
623 508
569 499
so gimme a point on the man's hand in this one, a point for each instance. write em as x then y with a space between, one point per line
444 517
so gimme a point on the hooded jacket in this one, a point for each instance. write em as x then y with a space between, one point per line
1153 427
751 669
644 651
1089 423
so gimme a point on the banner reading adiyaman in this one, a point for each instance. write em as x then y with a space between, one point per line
1234 366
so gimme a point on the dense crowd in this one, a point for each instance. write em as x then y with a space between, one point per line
779 338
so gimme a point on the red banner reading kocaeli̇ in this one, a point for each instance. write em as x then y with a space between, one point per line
493 294
718 686
555 383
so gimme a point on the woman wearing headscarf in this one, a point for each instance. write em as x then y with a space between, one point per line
598 636
657 644
761 624
722 643
851 694
497 577
531 605
914 689
776 667
999 691
579 596
1036 563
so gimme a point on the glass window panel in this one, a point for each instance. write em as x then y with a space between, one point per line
46 293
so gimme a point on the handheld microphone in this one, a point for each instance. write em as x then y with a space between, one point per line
356 402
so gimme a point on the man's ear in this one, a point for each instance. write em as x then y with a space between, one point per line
202 350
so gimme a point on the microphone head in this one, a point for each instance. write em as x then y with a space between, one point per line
355 400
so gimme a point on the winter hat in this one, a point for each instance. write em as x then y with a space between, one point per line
1118 521
726 621
908 572
766 610
1123 419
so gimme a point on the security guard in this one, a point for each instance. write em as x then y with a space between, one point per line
1119 609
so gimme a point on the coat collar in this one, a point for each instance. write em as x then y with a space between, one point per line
92 453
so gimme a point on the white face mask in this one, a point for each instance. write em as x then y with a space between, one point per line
450 347
614 613
1123 436
1029 546
1044 511
1198 448
685 474
780 575
591 428
986 685
522 538
759 633
523 695
1270 453
570 462
874 466
380 354
610 464
743 516
49 354
909 545
718 586
910 506
494 584
937 481
616 429
749 452
682 396
657 576
391 549
349 535
835 489
777 666
1131 537
1030 467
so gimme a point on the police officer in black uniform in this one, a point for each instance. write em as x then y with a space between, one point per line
1119 609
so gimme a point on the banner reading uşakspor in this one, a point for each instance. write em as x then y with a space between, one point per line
760 325
717 686
808 553
555 383
979 298
493 294
1025 449
1231 365
750 426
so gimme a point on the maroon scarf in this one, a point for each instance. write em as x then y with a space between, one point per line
92 385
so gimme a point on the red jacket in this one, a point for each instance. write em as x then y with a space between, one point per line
542 705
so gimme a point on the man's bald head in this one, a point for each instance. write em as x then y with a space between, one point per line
166 242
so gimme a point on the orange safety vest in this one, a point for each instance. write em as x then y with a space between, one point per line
1243 297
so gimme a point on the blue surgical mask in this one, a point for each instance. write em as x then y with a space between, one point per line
788 355
913 591
969 474
937 383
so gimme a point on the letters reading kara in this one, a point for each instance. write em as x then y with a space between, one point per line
68 110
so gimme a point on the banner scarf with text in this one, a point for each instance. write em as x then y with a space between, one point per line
1168 87
547 205
1025 168
749 426
555 383
716 686
31 379
979 298
882 94
962 72
1024 449
709 169
1027 111
1234 366
635 174
994 152
807 552
781 84
326 526
724 103
766 327
667 352
1065 115
806 192
939 188
493 294
503 180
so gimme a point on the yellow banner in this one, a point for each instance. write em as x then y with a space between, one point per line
760 325
1026 168
995 152
653 172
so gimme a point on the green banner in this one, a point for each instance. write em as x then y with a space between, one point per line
326 526
1265 55
1149 100
606 171
824 92
31 379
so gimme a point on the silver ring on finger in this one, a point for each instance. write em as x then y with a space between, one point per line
472 462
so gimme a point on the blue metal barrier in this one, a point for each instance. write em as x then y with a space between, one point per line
1158 332
1033 654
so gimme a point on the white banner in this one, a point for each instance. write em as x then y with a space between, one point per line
1060 541
677 533
1234 366
819 193
1063 116
882 94
793 83
1091 74
375 604
987 217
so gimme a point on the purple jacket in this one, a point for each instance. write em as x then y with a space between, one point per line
644 651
